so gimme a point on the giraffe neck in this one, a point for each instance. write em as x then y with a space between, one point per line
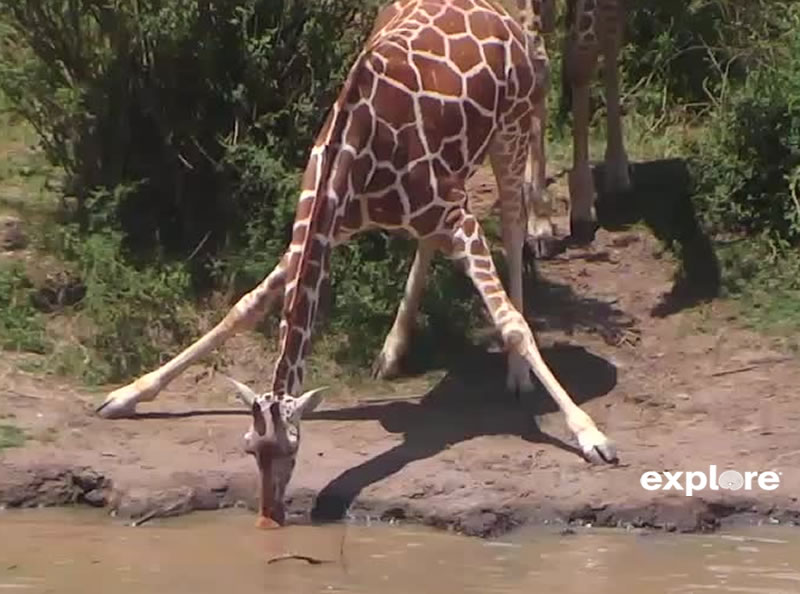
323 199
582 20
536 16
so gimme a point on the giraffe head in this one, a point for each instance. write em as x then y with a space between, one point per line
274 440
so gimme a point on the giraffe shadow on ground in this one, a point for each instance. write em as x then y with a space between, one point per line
549 306
661 198
469 402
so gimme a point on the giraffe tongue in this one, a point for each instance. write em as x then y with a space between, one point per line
266 504
266 523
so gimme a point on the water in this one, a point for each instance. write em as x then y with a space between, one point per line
85 552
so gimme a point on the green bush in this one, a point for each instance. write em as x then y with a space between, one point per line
183 126
136 316
181 98
747 165
683 55
21 326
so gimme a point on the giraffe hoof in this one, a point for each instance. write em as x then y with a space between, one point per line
519 384
385 367
582 232
619 182
544 248
597 448
112 408
121 403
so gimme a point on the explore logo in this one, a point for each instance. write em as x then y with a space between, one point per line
730 480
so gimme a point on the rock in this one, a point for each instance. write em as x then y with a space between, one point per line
95 498
60 289
12 235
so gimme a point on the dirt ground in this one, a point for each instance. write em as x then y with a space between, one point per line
677 386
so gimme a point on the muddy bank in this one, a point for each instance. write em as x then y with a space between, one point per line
55 485
678 386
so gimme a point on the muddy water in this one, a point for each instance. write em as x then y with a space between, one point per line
85 552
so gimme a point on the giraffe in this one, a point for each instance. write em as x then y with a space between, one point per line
593 27
440 85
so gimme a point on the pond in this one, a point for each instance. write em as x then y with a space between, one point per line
86 552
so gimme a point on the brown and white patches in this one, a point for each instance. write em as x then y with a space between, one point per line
429 41
352 219
409 149
465 53
383 141
453 155
489 6
405 12
395 106
360 126
495 58
361 172
428 221
451 22
386 210
484 24
340 178
402 73
417 185
384 177
479 130
481 89
441 118
464 5
431 9
437 76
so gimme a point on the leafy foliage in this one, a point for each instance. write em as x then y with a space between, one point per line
21 328
183 126
747 167
11 436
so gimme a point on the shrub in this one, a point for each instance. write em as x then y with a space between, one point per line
747 167
21 326
182 126
683 55
135 316
157 93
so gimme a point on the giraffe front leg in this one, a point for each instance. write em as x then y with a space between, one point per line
518 375
582 215
541 232
617 179
580 63
387 364
469 246
248 310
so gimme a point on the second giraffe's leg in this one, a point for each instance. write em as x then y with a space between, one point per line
617 169
518 378
580 65
512 216
248 310
387 364
540 228
469 246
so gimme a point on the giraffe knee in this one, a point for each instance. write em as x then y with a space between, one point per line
245 313
516 334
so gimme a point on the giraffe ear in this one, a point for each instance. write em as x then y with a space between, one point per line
245 393
259 424
308 401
